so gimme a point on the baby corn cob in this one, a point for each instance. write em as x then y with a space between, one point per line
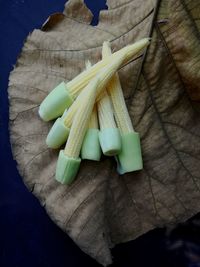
109 136
120 110
80 123
63 95
104 76
129 158
91 149
69 161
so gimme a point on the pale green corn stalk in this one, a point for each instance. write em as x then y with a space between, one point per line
81 120
79 82
120 110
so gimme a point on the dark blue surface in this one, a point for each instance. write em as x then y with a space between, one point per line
27 236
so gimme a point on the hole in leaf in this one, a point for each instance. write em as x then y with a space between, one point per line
95 7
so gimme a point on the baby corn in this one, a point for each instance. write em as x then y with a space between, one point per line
109 136
63 95
80 122
104 76
69 160
120 110
130 158
91 149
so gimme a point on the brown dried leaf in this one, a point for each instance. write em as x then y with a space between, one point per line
101 208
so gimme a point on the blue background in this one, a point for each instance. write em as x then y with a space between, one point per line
27 235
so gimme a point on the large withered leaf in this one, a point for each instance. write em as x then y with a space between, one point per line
102 208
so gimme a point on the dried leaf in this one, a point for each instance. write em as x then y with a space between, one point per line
101 208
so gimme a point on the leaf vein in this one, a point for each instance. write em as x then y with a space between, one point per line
166 133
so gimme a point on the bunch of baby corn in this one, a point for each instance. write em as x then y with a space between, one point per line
92 117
